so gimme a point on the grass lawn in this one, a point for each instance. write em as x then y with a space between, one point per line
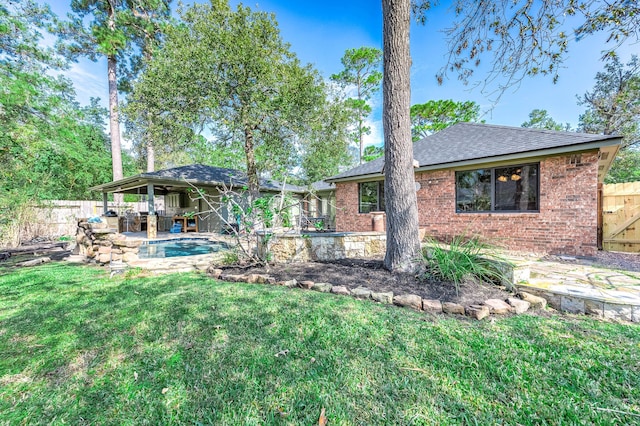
77 347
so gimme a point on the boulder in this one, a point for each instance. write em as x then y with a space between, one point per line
497 306
306 284
519 306
386 298
289 283
322 287
129 257
537 302
256 279
340 289
214 272
477 311
35 262
409 300
361 293
433 306
452 308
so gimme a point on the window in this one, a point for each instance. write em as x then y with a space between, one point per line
371 196
511 189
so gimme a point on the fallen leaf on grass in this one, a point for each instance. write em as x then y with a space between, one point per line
322 421
165 390
135 375
282 353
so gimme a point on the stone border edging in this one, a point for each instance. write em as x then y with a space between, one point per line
512 305
603 308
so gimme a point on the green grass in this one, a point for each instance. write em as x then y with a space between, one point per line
77 347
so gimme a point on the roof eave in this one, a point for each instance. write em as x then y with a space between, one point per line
610 141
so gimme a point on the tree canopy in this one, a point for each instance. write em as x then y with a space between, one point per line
436 115
362 75
540 119
228 75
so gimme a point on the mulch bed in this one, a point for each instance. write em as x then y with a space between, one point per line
354 273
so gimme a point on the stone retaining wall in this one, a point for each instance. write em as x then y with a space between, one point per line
326 246
98 242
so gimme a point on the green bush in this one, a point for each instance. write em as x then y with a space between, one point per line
462 259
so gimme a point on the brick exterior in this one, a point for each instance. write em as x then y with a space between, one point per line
566 223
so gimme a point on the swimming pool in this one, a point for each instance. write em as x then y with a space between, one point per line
180 247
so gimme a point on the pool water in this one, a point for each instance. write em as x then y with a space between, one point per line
182 247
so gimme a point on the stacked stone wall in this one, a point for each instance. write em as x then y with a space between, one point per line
327 247
103 245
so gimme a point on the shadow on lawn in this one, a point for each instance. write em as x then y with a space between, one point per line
79 347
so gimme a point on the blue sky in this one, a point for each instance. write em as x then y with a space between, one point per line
320 32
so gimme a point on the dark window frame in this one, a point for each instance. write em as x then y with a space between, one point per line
493 190
380 207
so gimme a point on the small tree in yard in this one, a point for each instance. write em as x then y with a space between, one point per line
251 221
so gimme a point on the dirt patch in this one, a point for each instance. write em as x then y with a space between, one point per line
354 273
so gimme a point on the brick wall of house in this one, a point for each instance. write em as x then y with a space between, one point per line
348 219
566 223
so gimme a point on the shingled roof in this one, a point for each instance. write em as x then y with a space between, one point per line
196 174
468 143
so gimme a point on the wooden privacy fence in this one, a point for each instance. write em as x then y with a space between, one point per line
621 217
58 217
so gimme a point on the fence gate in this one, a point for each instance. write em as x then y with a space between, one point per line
621 217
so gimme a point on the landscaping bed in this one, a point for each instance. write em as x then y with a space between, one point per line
353 273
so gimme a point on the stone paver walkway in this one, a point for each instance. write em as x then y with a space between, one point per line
582 288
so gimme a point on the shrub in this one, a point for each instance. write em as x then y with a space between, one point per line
464 258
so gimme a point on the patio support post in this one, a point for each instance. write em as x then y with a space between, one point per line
105 202
152 219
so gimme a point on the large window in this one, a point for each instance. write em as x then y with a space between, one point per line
371 197
511 189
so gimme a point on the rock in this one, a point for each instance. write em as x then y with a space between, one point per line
432 305
519 306
129 257
477 311
497 306
452 308
214 272
322 287
271 280
35 262
386 298
340 289
409 300
234 278
104 258
361 293
537 302
256 279
104 250
289 283
306 284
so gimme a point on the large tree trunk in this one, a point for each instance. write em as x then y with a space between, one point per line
114 125
252 171
151 157
403 245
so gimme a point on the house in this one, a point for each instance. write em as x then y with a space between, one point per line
177 186
524 189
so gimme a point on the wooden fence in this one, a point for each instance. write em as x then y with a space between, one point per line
621 217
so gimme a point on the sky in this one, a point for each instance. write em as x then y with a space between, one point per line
320 31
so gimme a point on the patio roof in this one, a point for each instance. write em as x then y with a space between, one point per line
199 175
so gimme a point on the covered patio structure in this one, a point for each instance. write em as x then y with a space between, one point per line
181 204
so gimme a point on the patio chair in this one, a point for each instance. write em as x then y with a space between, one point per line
176 228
